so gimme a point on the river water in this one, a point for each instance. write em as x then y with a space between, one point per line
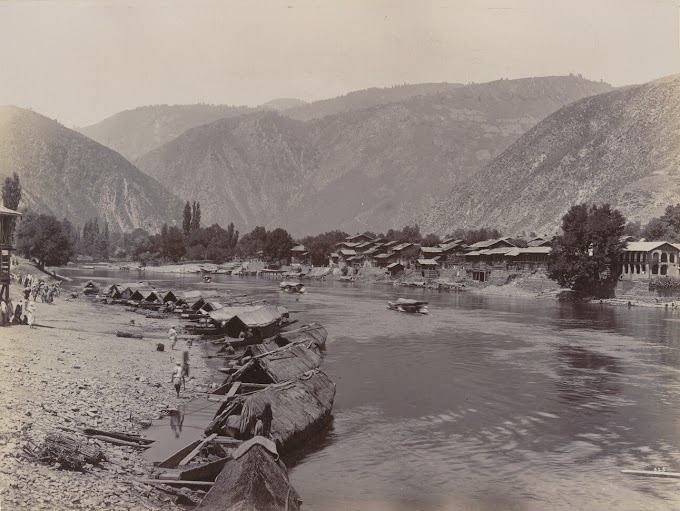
487 403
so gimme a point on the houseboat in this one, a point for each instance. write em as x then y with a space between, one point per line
407 305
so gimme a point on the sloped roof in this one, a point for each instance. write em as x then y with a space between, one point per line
261 317
401 246
357 236
392 265
346 252
8 212
432 250
427 262
539 243
390 243
645 246
382 256
298 248
448 246
364 244
489 243
496 251
371 251
289 362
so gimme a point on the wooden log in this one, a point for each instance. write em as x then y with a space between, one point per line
652 473
115 441
170 482
227 440
119 436
196 450
130 335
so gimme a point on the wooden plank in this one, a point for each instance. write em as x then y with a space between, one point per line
233 389
202 484
196 450
652 473
119 436
173 460
227 440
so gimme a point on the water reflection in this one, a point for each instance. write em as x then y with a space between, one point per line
177 420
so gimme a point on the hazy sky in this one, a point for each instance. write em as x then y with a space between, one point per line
81 61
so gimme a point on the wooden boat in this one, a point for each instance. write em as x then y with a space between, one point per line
300 407
407 305
207 279
254 480
292 287
346 279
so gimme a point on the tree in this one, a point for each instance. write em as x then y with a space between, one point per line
321 245
11 192
186 218
431 240
586 256
105 243
658 230
11 197
196 216
278 245
174 246
43 238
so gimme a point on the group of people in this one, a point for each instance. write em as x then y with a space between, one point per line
22 314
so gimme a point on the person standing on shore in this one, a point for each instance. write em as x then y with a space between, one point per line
30 313
172 334
178 377
3 313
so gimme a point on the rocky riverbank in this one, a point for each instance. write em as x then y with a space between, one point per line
72 371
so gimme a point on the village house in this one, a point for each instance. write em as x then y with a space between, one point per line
647 259
528 259
395 269
345 257
453 253
299 255
434 253
398 252
491 244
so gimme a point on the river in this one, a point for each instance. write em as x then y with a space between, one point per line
487 403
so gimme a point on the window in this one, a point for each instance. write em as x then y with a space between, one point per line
664 257
671 258
664 269
655 269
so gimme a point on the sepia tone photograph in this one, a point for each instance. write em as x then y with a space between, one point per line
380 255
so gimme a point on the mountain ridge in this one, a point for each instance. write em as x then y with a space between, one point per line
371 168
66 174
619 147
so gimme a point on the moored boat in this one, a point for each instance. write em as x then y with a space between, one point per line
292 287
408 305
255 479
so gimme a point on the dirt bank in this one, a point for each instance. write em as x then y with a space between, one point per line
73 371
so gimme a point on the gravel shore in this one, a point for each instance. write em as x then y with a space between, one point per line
73 372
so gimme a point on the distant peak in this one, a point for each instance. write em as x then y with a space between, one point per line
283 103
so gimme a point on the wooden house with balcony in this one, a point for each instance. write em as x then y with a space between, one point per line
299 255
7 221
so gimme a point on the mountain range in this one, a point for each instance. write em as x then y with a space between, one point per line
372 167
620 147
70 176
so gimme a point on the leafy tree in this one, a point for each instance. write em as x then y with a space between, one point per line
252 242
406 235
321 245
586 256
431 240
658 230
105 243
277 246
186 218
174 246
43 238
11 192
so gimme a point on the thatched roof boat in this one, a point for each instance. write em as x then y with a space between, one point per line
408 305
90 288
276 366
255 480
299 407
